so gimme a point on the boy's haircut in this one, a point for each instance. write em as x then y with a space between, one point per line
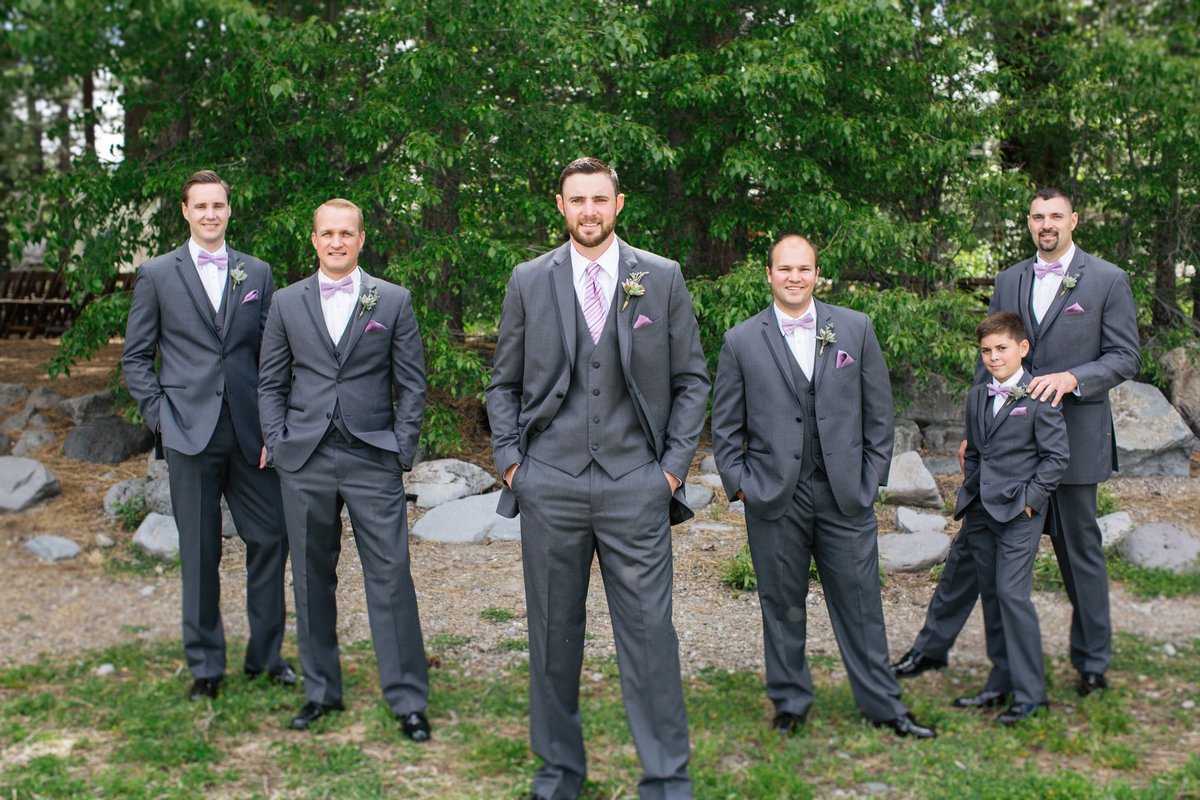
1001 322
204 176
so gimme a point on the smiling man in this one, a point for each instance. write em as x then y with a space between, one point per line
336 347
596 403
201 308
802 426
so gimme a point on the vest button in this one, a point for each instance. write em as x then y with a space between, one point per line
596 392
799 419
328 415
595 419
595 447
560 395
339 380
595 365
796 456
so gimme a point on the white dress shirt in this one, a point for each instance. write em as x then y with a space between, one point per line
999 400
606 277
1045 289
338 307
802 341
211 278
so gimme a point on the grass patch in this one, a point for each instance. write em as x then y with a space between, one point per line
65 733
132 512
1144 582
131 560
513 645
494 614
739 572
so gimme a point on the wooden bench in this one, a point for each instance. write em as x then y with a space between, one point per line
37 303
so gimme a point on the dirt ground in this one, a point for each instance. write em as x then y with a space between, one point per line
78 606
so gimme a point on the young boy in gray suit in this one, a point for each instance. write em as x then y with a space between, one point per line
1016 454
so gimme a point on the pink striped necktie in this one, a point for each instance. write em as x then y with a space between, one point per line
594 307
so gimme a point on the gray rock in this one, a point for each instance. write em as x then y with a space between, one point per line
158 496
1152 438
228 528
31 440
14 425
711 480
912 552
445 479
911 521
708 465
874 788
910 483
5 445
24 482
52 548
1184 384
932 402
943 437
123 492
908 436
699 496
738 507
1161 546
468 520
11 394
104 540
157 536
104 670
156 468
107 440
42 398
85 408
942 464
1114 527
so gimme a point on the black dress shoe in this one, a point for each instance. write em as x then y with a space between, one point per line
786 723
1090 682
906 725
204 688
311 713
284 677
416 726
912 664
985 699
1020 711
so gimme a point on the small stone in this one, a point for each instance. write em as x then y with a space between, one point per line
104 540
1188 704
1169 649
874 788
24 482
708 465
909 520
738 507
158 536
147 591
699 496
52 548
104 670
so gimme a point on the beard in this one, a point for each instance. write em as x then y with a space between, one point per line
591 239
1049 243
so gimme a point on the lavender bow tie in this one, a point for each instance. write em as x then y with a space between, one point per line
346 285
999 391
219 260
789 325
1042 270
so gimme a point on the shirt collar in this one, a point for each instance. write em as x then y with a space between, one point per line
1066 259
607 261
194 249
780 316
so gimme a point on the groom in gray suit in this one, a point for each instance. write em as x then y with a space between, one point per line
597 398
1082 326
802 426
336 346
201 308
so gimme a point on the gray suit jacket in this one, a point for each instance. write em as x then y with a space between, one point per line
662 361
304 377
1014 460
757 446
1090 331
171 314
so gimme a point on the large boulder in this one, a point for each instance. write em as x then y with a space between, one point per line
31 440
1161 546
910 483
24 482
122 493
934 401
87 407
1184 384
158 496
52 548
909 520
1152 438
708 464
11 394
157 536
912 552
908 436
107 440
155 467
1114 527
42 398
699 496
468 520
445 479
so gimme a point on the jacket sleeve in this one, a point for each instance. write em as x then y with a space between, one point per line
729 420
505 389
1120 347
689 382
274 378
408 376
142 332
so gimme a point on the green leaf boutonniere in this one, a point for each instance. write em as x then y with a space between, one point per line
367 300
633 287
826 337
1068 283
237 274
1018 392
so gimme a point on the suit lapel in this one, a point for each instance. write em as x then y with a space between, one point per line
563 285
358 316
1060 300
821 360
626 263
234 292
312 302
186 269
983 413
778 348
1025 298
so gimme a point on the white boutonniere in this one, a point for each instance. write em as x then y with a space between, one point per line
1068 283
826 337
1018 392
633 287
237 274
367 300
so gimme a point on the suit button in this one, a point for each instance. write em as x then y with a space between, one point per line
560 395
595 447
595 365
796 456
218 392
339 380
336 354
595 419
799 419
216 328
596 392
337 416
328 415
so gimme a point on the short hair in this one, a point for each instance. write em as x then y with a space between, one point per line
781 239
204 176
1002 322
1050 193
589 166
338 202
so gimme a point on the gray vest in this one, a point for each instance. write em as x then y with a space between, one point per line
597 420
812 460
339 350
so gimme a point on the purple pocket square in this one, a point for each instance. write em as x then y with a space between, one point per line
1074 308
1019 411
372 325
642 321
844 359
250 298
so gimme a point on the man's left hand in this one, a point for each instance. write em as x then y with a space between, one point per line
672 480
1056 384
